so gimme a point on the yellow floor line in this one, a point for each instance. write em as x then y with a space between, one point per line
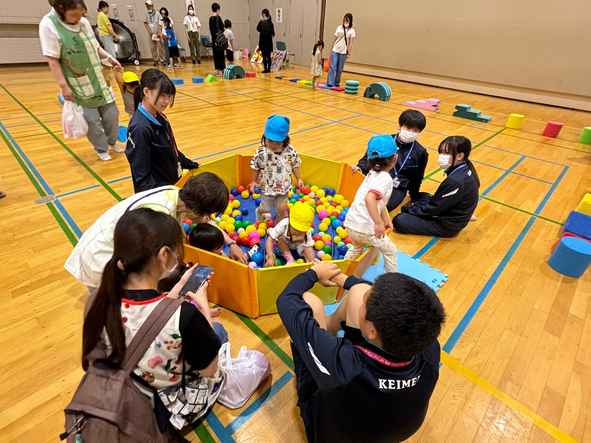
517 406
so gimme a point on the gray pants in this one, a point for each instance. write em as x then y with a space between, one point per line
194 45
156 48
109 45
103 126
271 205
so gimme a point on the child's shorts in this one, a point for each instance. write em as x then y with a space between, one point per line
271 204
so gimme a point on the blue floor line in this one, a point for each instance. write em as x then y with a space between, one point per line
473 309
41 181
502 177
218 428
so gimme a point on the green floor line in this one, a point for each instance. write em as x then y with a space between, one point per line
203 434
58 218
66 147
268 341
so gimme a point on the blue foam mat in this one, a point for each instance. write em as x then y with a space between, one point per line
432 277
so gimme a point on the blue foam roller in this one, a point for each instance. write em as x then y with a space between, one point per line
177 81
579 224
122 135
571 257
198 79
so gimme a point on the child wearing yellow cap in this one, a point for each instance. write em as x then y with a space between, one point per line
292 235
128 83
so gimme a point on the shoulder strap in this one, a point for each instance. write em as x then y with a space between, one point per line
143 197
149 331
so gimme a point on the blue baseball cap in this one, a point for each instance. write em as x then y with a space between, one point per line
277 128
381 146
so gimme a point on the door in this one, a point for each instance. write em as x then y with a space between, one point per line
304 22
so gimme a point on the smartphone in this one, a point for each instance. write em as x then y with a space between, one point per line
199 276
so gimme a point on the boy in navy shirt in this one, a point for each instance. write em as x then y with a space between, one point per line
374 384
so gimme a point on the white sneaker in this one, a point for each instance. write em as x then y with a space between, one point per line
104 156
117 147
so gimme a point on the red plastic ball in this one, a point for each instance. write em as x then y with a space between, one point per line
306 190
270 224
241 189
347 240
253 241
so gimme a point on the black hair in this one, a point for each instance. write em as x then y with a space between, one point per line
139 236
348 16
207 237
190 6
227 23
412 119
102 4
61 6
164 12
215 7
166 21
266 13
378 164
317 45
458 144
205 194
154 79
285 142
406 313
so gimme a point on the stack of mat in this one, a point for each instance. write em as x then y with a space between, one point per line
467 111
351 87
379 90
233 72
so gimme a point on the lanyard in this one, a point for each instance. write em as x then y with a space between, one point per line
382 360
397 171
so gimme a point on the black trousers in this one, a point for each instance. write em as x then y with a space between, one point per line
219 58
267 60
396 198
412 224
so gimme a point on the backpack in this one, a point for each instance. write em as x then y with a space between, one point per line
107 405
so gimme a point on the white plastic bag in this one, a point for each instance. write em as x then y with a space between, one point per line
73 121
244 374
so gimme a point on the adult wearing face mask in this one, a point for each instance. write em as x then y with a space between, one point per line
449 210
266 33
408 173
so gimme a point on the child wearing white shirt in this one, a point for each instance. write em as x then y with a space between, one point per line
368 218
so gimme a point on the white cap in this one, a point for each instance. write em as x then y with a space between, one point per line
149 2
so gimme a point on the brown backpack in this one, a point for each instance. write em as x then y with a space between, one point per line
108 406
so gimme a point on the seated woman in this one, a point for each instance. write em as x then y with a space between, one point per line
183 359
449 210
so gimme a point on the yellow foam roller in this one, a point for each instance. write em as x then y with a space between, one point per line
585 205
515 121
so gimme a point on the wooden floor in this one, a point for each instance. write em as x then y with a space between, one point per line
517 365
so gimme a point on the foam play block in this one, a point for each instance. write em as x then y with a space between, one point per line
379 90
211 78
467 112
233 72
586 136
337 88
197 79
305 82
584 206
432 277
515 121
463 107
429 104
122 134
579 224
352 83
294 80
177 81
252 74
552 129
571 257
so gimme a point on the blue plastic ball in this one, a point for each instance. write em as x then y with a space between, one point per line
235 192
238 218
336 223
257 201
186 228
258 258
342 217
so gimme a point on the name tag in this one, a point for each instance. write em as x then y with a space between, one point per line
396 182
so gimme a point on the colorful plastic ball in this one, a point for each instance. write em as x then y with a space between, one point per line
240 189
242 234
347 240
234 236
250 228
238 224
230 228
342 217
257 201
245 194
231 196
253 241
322 214
236 212
327 249
252 265
270 223
235 203
345 203
238 218
323 227
253 234
317 237
320 193
255 195
258 258
342 250
235 192
320 254
278 262
246 223
186 228
326 257
336 223
318 245
326 237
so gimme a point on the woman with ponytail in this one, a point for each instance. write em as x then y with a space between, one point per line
148 245
152 152
448 211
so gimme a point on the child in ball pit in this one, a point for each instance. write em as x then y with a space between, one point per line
292 236
274 163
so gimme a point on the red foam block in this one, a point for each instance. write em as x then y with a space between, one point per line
251 74
552 129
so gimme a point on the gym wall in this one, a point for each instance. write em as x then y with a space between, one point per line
528 50
19 32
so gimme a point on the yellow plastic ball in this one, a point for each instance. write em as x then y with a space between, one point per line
344 234
339 208
262 232
323 228
326 257
345 203
245 194
289 194
225 217
228 211
255 196
318 245
243 234
300 261
235 203
320 193
231 220
326 238
337 239
338 198
320 208
222 225
230 229
263 225
250 228
314 188
236 213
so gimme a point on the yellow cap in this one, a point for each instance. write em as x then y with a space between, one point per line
130 77
301 217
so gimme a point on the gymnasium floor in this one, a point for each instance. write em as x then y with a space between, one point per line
517 360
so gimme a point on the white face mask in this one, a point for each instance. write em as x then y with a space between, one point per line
191 12
407 136
444 160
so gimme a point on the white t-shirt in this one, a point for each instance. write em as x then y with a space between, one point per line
95 248
229 34
340 47
281 231
192 23
358 219
50 42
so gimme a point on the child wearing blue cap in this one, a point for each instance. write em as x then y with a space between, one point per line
274 164
368 219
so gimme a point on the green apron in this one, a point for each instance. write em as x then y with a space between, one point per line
81 65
